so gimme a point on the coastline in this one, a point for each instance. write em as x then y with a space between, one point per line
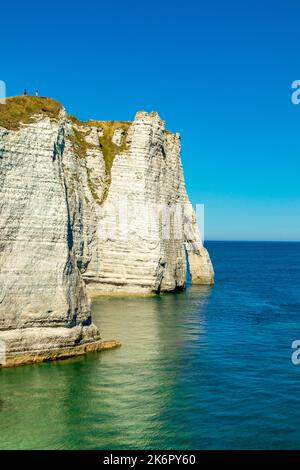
34 357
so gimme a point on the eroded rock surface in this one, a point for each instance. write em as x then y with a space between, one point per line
60 240
148 253
43 299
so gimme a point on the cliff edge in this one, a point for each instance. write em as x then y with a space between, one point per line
83 212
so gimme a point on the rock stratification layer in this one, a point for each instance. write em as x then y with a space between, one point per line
86 208
146 224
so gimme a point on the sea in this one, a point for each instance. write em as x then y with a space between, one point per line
211 367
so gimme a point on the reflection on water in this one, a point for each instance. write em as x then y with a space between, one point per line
157 334
209 368
119 398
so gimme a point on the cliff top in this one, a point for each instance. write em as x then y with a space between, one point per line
109 148
97 123
21 109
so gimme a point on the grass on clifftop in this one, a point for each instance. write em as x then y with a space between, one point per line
109 149
79 143
21 109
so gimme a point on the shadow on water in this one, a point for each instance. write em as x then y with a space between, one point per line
115 399
157 337
207 368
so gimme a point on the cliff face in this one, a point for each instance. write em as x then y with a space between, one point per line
147 252
43 300
77 204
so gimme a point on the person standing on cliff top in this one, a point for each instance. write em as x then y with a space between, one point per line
25 92
36 92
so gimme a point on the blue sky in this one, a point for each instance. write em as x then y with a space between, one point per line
219 72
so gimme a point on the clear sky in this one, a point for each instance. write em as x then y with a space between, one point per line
220 72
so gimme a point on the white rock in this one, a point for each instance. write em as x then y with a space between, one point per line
118 136
146 176
41 287
59 234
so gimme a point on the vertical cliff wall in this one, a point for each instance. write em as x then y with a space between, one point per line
86 207
146 224
44 307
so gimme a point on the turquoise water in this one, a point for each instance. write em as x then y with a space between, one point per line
208 368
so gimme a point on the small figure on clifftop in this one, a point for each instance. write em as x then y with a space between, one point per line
25 92
36 92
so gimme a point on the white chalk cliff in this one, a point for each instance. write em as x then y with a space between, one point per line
78 217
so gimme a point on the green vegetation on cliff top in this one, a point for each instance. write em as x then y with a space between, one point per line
109 149
22 109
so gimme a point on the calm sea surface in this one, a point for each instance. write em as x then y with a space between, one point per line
208 368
